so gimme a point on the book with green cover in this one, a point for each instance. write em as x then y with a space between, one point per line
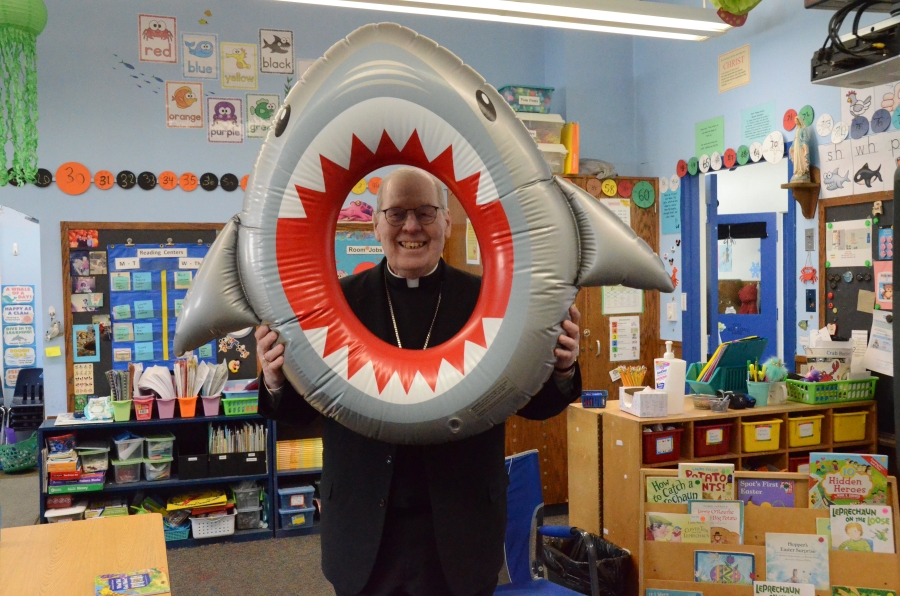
862 528
847 479
848 591
823 528
137 583
74 488
673 490
676 527
718 479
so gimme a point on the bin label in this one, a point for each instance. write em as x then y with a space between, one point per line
806 429
665 445
298 520
764 433
714 436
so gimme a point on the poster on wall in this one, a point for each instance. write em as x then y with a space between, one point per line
624 338
225 123
19 348
201 56
276 51
670 210
184 104
734 68
261 111
85 343
239 65
884 285
355 251
757 122
156 39
709 136
473 250
619 300
849 243
621 208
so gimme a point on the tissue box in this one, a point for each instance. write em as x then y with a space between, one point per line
643 402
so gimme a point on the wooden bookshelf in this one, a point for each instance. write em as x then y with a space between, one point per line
665 565
606 457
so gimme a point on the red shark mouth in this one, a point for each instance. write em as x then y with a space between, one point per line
307 223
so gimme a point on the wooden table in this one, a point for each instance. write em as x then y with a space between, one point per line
64 558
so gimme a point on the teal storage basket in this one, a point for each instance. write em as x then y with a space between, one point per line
731 371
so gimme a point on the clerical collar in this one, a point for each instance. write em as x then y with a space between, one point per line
432 276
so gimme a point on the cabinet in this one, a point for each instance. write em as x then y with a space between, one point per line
606 456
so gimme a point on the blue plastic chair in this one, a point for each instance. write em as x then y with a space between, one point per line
524 531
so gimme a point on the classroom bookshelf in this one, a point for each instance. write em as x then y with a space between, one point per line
670 566
606 456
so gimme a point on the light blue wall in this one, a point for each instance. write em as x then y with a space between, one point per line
93 112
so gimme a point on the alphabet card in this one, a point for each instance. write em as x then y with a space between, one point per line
156 40
201 55
239 66
260 114
871 163
276 51
184 104
862 528
836 162
226 120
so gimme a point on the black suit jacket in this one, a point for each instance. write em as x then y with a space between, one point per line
466 479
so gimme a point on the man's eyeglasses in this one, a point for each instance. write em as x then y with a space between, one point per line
396 216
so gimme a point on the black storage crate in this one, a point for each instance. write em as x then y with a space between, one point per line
237 464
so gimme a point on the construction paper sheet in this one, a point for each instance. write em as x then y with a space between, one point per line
848 243
670 210
880 351
709 136
757 122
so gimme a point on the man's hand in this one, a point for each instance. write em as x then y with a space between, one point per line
271 357
566 350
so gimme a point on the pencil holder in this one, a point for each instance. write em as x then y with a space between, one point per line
211 405
143 408
759 391
122 410
187 406
166 407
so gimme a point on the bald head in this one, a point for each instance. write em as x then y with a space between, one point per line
403 176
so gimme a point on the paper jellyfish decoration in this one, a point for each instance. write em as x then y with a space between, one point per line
387 96
734 12
21 21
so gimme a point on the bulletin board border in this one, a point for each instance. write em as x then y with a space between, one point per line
64 228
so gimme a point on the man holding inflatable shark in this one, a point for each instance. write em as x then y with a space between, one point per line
416 520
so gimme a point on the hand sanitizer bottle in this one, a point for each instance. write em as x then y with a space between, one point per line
670 374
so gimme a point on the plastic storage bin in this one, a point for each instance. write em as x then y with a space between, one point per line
543 128
849 426
799 464
158 469
527 99
210 527
247 519
238 403
297 497
554 155
730 373
127 471
594 398
246 498
94 456
159 446
74 513
179 533
664 445
128 445
294 519
761 435
805 430
713 439
829 392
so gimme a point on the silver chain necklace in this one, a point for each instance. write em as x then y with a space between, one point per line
394 320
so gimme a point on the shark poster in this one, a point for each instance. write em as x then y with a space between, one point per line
276 51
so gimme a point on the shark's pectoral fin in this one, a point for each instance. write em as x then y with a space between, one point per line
216 303
610 252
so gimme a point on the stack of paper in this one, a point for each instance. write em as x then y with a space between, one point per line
214 377
159 380
299 454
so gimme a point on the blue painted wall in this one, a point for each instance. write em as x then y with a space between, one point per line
93 112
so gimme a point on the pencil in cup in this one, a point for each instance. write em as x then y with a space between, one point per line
632 376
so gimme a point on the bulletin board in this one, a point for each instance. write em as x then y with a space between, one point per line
86 290
845 294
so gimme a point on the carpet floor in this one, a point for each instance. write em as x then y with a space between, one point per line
282 566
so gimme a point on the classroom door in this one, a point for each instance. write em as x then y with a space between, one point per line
743 279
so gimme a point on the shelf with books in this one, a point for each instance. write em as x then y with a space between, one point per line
670 565
176 482
300 472
282 479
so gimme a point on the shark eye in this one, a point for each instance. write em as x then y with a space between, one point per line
281 121
487 107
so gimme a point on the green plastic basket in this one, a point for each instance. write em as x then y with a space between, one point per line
19 456
238 406
830 392
173 534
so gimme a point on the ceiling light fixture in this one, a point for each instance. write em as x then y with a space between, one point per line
628 17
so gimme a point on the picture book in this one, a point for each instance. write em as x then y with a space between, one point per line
725 518
783 589
862 528
848 591
766 492
713 567
659 592
718 479
676 527
823 528
673 490
846 479
797 558
137 583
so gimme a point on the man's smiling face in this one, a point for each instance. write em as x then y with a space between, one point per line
412 249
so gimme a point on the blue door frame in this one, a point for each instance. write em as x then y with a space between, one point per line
692 228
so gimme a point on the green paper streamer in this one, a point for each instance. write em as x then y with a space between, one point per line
18 104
